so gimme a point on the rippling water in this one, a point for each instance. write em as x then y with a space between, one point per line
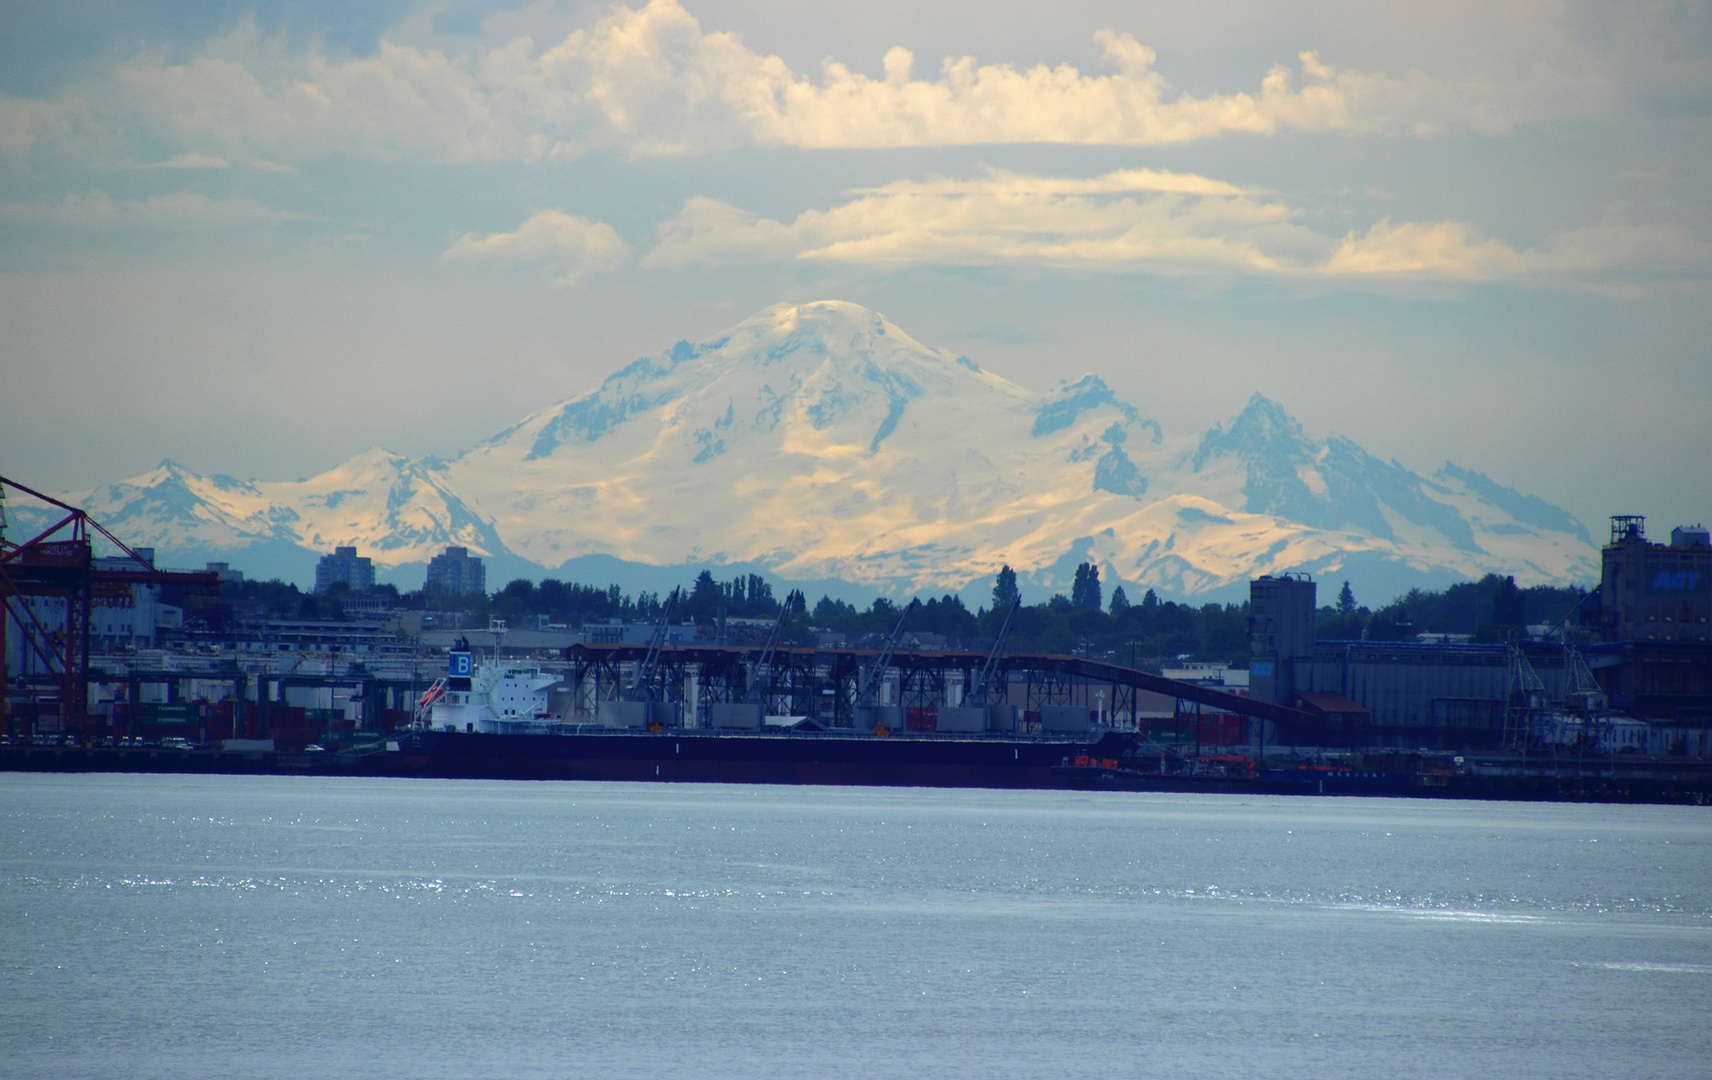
296 927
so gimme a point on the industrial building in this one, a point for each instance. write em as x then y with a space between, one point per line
1652 610
1655 592
1281 636
1642 651
1437 696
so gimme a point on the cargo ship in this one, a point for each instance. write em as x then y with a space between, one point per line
766 756
1134 770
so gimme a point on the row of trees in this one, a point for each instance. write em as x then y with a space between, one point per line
1151 630
1491 609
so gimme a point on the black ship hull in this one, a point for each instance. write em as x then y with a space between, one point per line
733 758
912 760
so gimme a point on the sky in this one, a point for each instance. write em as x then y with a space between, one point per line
259 238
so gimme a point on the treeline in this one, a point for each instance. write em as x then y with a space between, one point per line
1489 610
568 603
1086 622
747 596
1152 631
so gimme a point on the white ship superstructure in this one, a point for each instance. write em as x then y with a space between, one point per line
495 697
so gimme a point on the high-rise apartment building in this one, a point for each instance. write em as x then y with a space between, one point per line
455 572
344 567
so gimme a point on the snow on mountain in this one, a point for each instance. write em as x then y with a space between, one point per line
821 441
395 510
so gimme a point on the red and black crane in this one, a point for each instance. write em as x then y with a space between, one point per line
59 563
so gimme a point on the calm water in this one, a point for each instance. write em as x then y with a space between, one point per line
280 927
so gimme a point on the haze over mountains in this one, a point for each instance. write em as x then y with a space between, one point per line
820 441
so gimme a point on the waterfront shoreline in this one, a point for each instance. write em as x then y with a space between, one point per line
900 762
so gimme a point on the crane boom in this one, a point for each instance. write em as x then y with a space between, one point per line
756 695
651 661
884 660
978 689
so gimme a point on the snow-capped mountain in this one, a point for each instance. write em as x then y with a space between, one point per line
820 441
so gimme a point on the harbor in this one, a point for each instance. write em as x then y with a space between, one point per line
1604 708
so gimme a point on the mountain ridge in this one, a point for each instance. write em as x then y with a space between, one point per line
821 442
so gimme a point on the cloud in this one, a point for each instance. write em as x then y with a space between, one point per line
1121 221
25 123
574 247
177 210
191 160
403 101
1455 251
1143 221
649 81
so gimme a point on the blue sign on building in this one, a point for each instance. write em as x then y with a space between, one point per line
459 667
1682 579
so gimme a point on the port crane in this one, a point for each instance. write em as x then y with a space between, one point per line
761 685
642 685
55 571
977 694
1528 707
868 685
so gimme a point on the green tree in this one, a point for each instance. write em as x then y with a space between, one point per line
1508 611
1346 600
1085 593
758 599
704 599
1005 588
833 612
1120 602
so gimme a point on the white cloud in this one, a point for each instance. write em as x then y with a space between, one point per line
176 210
649 81
191 160
402 101
1122 221
1141 221
1455 251
25 123
708 232
572 246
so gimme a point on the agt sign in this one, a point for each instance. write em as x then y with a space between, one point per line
1682 579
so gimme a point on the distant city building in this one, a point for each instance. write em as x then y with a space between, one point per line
225 572
1656 592
454 572
1281 636
344 567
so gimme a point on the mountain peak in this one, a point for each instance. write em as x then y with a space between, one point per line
818 440
841 314
819 363
1262 414
811 334
1263 435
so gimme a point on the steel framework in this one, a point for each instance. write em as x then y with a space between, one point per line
827 683
57 564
